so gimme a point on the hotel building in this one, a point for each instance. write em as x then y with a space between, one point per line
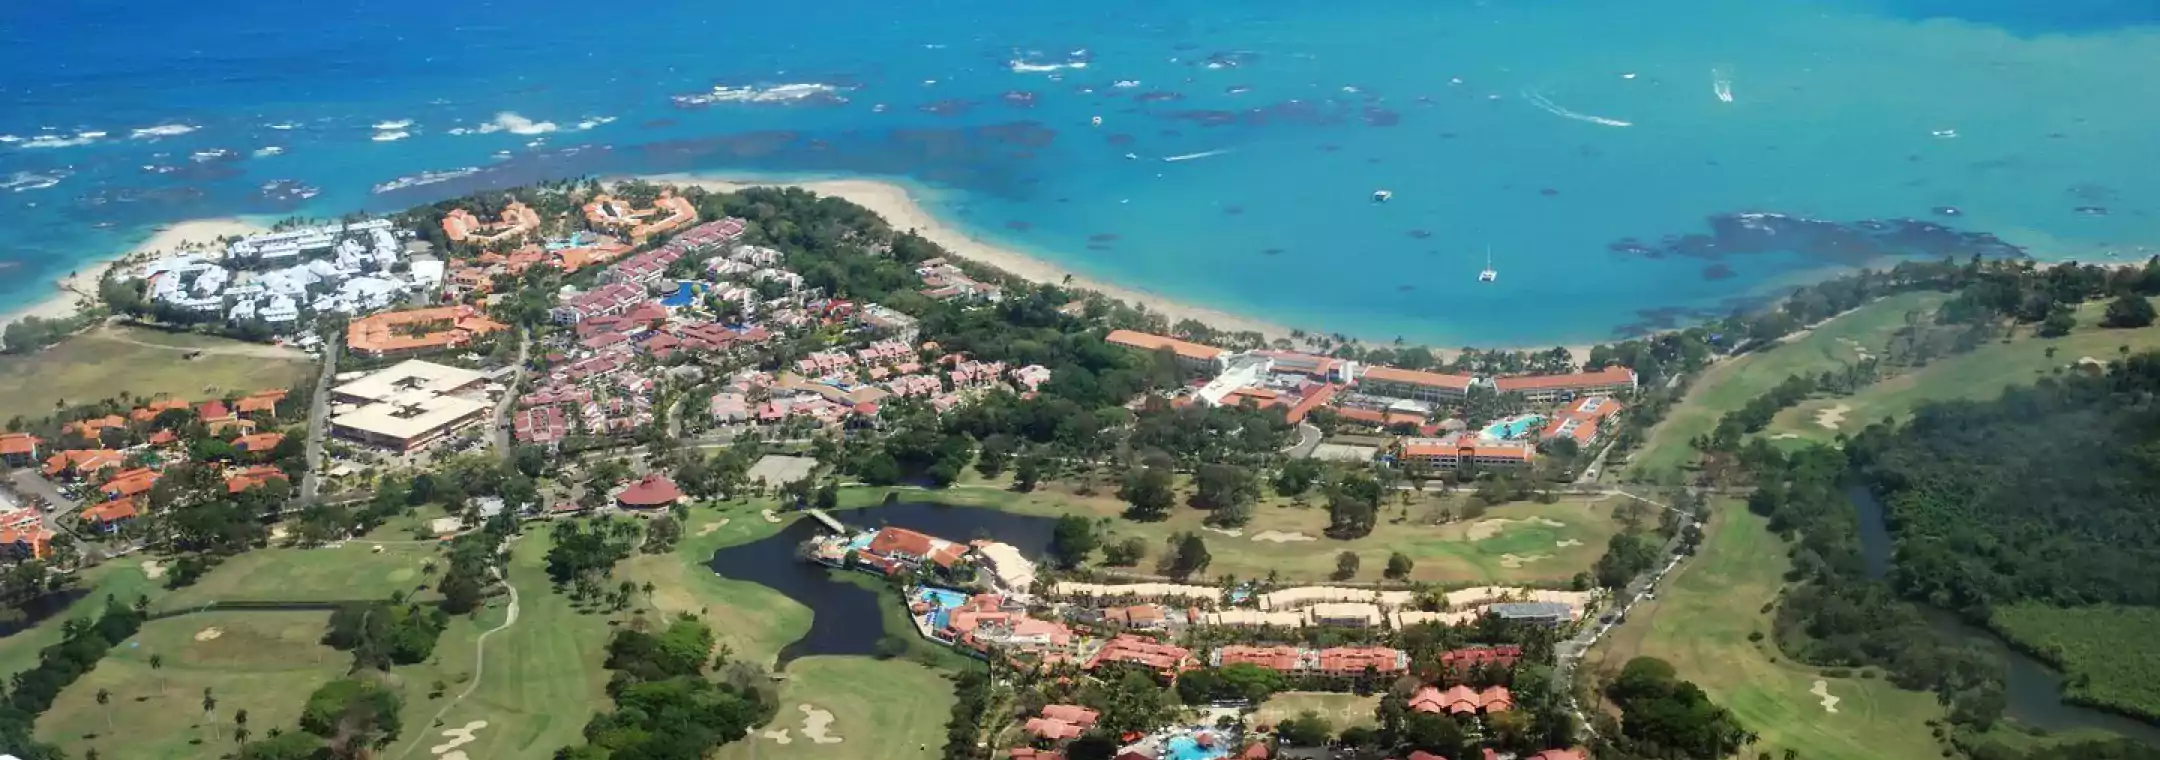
407 406
1412 384
1540 389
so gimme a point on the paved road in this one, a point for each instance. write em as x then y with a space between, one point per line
499 429
1568 654
1308 439
319 423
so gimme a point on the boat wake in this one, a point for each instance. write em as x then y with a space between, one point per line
1193 156
1545 104
1721 83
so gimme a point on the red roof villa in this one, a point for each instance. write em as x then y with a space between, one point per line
652 492
895 548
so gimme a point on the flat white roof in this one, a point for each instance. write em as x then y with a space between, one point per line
410 416
404 379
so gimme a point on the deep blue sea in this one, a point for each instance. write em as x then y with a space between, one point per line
1584 141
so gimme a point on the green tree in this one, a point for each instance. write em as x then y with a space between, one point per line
1125 553
1346 566
1308 729
2128 311
1399 565
1189 556
1148 491
1073 540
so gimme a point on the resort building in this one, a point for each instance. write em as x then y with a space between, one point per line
23 534
1462 700
1192 357
1582 421
1301 596
667 213
1460 449
654 491
1459 662
1539 389
1005 562
18 449
1543 613
81 463
408 405
893 549
1061 722
1346 615
1334 662
1413 384
1136 592
401 332
517 219
1240 618
1126 650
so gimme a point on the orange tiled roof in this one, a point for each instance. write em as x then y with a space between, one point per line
1608 376
129 483
244 478
89 428
381 333
14 444
265 401
35 535
82 461
1142 651
259 442
213 410
150 411
1149 342
1277 658
1415 377
110 511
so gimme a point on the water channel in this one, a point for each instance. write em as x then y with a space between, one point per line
2033 688
845 616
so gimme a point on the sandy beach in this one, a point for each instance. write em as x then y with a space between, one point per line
900 207
80 287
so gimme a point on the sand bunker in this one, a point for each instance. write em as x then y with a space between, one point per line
1488 528
1784 436
1279 537
152 570
770 516
1231 532
209 634
1831 417
708 528
1512 561
817 725
779 736
1565 543
458 737
1822 689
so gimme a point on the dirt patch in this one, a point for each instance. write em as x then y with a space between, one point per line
1822 689
152 570
1490 527
458 737
1831 417
770 516
1279 537
708 528
817 725
209 634
1511 561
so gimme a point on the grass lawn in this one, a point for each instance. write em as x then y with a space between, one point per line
1982 375
881 710
100 364
1341 710
1516 543
542 678
1700 623
121 578
1730 384
263 662
751 620
2104 649
353 570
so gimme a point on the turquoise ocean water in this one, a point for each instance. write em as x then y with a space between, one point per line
1240 143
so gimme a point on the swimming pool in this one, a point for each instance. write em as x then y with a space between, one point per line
1513 427
1188 748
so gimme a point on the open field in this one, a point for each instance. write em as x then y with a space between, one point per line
1700 623
1519 543
1341 710
2105 650
353 570
1730 384
121 578
540 679
1982 374
102 363
751 620
263 662
880 709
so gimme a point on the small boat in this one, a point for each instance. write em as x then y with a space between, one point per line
1382 196
1098 121
1490 274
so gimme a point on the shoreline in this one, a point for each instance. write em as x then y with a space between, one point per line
901 208
77 289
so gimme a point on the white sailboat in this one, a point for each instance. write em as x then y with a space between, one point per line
1490 274
1721 84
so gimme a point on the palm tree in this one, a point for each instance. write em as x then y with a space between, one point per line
157 664
209 704
104 699
240 735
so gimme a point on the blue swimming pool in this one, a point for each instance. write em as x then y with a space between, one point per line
1188 748
1513 427
941 603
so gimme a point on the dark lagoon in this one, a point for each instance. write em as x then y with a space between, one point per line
2033 688
845 616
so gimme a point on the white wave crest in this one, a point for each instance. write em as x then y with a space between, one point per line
1546 105
25 181
1127 83
280 126
162 130
426 178
268 151
59 141
391 136
392 125
783 93
1192 156
594 122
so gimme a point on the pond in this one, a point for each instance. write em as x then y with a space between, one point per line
846 619
2032 687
